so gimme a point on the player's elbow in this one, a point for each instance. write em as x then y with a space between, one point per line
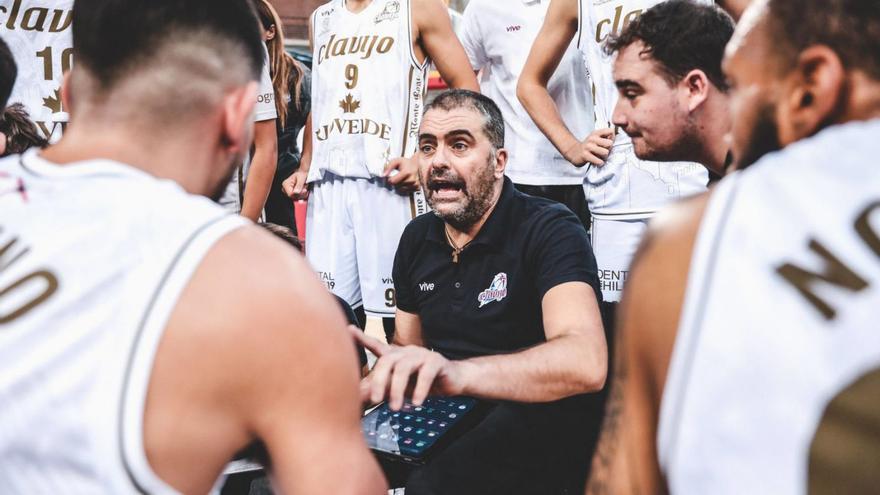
524 89
592 366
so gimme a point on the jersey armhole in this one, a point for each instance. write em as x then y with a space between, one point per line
704 259
143 350
409 36
580 24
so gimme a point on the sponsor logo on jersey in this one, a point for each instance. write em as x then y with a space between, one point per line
511 29
40 19
426 286
328 279
615 24
496 292
365 46
353 127
390 12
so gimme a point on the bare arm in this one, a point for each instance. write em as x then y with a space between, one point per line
407 329
560 27
626 458
296 185
572 361
438 41
269 361
262 170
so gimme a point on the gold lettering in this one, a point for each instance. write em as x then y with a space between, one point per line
631 17
385 44
51 287
13 16
617 12
866 231
834 273
40 24
599 36
57 26
339 48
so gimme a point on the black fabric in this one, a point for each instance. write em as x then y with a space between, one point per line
518 449
571 196
279 207
352 319
535 243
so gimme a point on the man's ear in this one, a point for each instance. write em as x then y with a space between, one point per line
500 162
238 115
66 100
815 90
696 86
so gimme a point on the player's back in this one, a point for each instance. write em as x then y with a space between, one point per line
778 332
93 257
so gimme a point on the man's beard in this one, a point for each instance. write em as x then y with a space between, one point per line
478 194
763 139
220 188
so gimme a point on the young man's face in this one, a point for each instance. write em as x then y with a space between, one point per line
650 110
458 166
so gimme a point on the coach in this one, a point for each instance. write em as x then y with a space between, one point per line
497 298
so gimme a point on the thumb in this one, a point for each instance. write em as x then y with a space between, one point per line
392 165
375 346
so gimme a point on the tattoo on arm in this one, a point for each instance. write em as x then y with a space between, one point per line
609 441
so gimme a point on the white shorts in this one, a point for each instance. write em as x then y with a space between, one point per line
353 227
615 243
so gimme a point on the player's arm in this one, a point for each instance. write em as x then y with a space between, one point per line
262 169
559 28
296 185
440 43
626 458
270 361
407 329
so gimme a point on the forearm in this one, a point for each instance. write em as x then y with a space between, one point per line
259 181
544 112
564 366
306 156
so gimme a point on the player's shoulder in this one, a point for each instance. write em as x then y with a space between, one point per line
673 230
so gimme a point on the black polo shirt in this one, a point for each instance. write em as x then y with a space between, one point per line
490 301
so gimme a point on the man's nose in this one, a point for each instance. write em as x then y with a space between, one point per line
440 158
618 117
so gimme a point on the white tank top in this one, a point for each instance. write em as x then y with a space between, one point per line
756 359
93 257
368 88
625 187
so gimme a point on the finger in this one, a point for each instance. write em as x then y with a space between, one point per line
381 375
598 151
427 374
287 187
594 160
392 165
375 346
395 179
606 132
400 377
364 389
605 143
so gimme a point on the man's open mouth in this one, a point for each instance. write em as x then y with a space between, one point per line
445 188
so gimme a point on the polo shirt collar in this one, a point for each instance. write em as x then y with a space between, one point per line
492 232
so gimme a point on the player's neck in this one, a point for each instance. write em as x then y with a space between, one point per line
715 126
169 159
356 6
864 98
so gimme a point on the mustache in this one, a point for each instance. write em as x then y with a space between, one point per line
438 179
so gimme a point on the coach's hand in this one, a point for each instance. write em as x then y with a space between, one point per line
407 371
593 150
296 186
406 177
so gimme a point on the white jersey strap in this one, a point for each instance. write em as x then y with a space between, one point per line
141 356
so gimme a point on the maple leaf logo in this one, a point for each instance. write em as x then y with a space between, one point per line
53 102
349 104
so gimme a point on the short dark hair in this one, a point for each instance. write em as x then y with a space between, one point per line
110 37
493 127
849 27
284 233
680 35
21 133
8 72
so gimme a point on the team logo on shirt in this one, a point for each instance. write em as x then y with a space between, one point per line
390 12
496 292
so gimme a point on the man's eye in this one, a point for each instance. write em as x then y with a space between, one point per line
459 146
426 148
630 95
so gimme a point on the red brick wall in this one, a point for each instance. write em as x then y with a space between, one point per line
295 16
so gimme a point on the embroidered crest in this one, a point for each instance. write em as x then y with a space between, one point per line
390 12
496 292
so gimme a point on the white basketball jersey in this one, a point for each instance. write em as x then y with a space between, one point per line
625 187
780 317
39 34
93 257
368 88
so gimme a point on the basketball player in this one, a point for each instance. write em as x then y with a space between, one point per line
138 353
369 81
38 33
623 192
750 352
8 71
673 100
